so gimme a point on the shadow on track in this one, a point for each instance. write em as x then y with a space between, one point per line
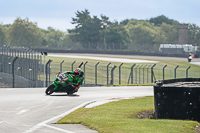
73 95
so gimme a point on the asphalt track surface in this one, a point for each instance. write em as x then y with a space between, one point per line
29 110
123 58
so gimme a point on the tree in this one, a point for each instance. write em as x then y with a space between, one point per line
141 33
69 43
194 34
116 36
24 33
53 38
170 31
2 36
88 31
124 22
162 19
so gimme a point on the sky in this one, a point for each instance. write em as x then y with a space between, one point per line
58 14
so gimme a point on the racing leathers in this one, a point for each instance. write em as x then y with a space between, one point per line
76 79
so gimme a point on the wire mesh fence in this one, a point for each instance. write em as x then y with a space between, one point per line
31 70
21 62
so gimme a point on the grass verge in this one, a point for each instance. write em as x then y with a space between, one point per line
120 117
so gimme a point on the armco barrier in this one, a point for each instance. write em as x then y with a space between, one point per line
177 99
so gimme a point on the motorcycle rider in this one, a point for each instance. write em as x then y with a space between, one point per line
78 77
189 57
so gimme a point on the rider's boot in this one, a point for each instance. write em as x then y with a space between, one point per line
76 89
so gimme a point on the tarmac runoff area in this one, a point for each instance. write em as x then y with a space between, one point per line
123 60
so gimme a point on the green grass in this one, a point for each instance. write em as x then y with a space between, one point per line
120 117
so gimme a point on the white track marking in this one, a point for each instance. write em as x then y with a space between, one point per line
59 129
22 111
44 123
45 99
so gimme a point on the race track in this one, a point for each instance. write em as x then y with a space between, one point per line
29 110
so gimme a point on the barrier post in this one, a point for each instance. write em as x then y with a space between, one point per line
120 73
108 72
13 72
61 66
152 73
164 72
187 71
175 71
48 63
96 73
112 75
84 70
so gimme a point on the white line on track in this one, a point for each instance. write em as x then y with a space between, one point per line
1 122
44 123
45 99
59 129
22 111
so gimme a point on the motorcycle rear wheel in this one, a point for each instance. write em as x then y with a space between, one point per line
49 90
69 92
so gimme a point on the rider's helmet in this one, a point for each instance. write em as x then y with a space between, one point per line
77 71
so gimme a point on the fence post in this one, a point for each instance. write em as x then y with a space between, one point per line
73 65
44 54
80 65
136 73
120 73
48 63
108 72
152 73
112 75
96 73
6 66
36 74
175 71
139 73
61 66
9 65
143 72
132 73
164 72
187 71
13 72
148 73
84 70
2 58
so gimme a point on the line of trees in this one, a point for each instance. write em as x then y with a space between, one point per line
91 32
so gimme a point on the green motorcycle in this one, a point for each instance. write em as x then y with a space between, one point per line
62 83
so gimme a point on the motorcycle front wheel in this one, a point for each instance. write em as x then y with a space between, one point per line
49 90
